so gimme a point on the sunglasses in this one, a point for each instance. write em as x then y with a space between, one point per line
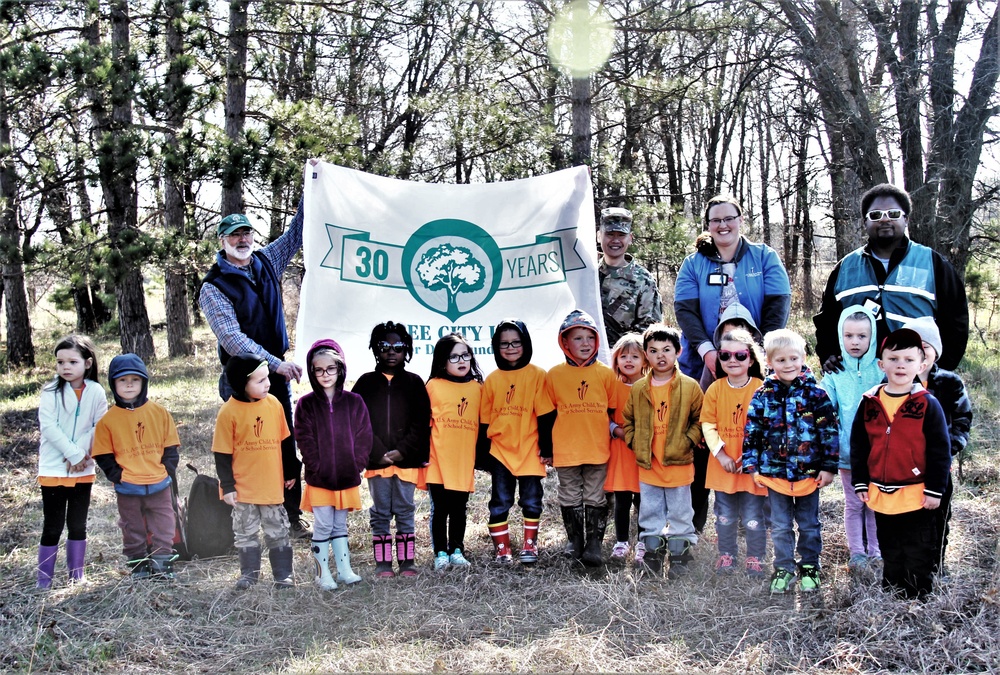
739 356
456 358
891 214
398 347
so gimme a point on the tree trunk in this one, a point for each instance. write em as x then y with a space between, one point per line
58 205
235 108
581 104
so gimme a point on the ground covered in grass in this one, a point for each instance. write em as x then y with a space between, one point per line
552 617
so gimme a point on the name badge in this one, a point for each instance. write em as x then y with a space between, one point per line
873 307
718 279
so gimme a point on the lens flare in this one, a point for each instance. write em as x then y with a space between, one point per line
581 40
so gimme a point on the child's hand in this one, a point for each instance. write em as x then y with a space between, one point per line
391 457
547 461
289 484
84 463
230 498
824 478
727 462
619 433
757 481
931 503
863 496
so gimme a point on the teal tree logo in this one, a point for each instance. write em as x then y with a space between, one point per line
452 269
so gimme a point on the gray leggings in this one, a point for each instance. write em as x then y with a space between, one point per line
329 523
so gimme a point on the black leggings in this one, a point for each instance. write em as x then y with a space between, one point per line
448 521
65 506
623 513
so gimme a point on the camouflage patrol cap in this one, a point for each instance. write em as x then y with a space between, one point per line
616 219
233 222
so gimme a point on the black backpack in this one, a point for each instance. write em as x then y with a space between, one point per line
209 519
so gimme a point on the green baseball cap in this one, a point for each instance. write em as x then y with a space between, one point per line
233 222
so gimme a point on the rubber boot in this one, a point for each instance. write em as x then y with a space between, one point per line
382 547
76 551
249 567
281 566
46 565
680 555
321 551
140 568
161 566
406 553
500 534
573 522
342 555
529 547
653 560
597 522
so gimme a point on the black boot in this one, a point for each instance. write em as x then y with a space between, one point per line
161 566
573 522
680 556
281 566
140 568
653 561
249 567
597 522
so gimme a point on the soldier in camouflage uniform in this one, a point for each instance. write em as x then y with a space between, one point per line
629 296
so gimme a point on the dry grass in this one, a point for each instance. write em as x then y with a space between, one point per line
549 618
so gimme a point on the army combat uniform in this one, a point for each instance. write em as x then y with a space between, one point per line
630 299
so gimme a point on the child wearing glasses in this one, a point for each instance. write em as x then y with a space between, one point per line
518 415
845 389
723 415
334 435
455 390
400 414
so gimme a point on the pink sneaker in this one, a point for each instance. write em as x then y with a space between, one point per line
754 567
640 554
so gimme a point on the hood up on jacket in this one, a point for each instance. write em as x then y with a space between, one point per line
128 364
579 319
341 369
737 312
238 371
522 330
869 357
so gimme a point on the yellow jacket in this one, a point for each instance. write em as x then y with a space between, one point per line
683 426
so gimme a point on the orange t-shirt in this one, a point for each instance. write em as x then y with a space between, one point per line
136 437
512 401
252 434
725 407
674 475
623 472
582 396
349 499
454 428
798 488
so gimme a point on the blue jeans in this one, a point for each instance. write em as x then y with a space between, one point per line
786 512
502 497
730 509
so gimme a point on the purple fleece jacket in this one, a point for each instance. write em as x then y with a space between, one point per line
334 436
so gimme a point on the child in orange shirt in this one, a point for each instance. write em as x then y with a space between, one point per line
723 416
517 414
629 363
136 446
583 391
247 447
455 390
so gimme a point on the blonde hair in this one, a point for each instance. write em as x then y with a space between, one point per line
783 338
630 342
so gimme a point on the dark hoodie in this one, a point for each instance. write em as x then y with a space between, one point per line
120 366
238 371
522 331
333 435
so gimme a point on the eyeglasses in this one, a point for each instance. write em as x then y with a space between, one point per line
329 371
398 347
739 356
891 214
513 344
728 220
455 358
240 234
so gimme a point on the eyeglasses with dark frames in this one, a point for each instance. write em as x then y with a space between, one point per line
455 358
513 344
329 371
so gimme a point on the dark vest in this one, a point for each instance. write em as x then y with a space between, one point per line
258 305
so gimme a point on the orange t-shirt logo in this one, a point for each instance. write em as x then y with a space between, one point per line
738 415
140 431
462 405
510 394
581 391
661 412
258 427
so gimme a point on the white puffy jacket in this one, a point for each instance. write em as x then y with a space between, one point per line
67 428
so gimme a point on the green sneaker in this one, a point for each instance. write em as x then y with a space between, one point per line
809 581
781 581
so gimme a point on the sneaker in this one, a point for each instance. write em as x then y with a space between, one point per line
620 551
754 567
858 562
782 581
809 578
299 530
725 564
640 554
441 561
457 559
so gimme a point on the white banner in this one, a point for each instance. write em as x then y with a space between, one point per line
445 258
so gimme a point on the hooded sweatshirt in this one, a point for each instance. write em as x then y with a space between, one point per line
333 435
584 394
136 443
846 388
